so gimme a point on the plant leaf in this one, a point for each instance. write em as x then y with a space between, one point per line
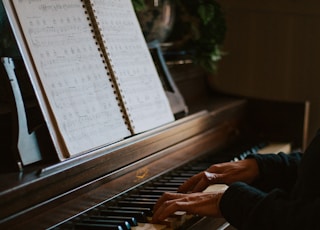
206 12
138 5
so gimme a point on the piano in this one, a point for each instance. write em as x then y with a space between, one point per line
116 187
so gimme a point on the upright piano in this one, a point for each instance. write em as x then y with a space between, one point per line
116 187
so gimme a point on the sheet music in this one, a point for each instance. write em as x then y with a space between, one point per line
71 72
132 63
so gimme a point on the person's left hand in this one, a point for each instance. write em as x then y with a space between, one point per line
223 173
201 203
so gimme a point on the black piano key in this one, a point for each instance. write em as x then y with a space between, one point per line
255 149
243 156
143 204
140 216
184 175
200 168
141 199
131 220
167 184
147 196
177 178
152 192
147 211
177 181
91 226
187 173
162 188
124 224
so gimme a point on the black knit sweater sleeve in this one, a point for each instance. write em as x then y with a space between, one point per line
277 170
249 207
246 207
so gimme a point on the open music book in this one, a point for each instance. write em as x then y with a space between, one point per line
91 70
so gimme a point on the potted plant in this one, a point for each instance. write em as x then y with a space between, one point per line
198 30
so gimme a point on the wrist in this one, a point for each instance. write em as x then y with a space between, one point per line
219 214
254 171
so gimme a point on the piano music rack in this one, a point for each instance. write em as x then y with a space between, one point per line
25 143
176 100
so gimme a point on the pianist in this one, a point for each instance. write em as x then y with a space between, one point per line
272 191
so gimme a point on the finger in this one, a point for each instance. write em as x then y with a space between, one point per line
165 197
207 179
201 185
169 207
188 203
189 184
162 212
165 206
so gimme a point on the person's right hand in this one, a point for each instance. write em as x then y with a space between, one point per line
223 173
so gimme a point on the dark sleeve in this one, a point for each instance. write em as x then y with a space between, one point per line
277 170
246 207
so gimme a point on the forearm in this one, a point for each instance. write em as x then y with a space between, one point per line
237 201
276 170
247 208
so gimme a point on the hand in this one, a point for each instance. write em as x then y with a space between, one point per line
224 173
202 203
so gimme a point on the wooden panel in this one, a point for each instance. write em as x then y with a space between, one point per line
282 6
258 53
279 121
273 49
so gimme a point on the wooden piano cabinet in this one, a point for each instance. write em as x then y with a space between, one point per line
220 126
190 137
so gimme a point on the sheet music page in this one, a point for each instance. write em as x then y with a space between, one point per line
136 75
72 73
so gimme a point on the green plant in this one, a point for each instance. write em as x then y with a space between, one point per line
138 4
199 30
203 25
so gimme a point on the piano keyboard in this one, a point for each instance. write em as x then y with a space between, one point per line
133 210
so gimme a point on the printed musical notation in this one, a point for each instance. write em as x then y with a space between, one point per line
132 64
72 73
92 65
